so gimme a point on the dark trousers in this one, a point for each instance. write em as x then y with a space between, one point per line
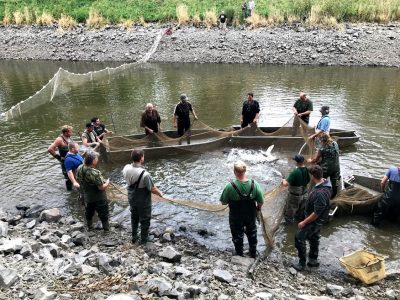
239 225
389 206
183 126
101 207
68 183
140 213
311 233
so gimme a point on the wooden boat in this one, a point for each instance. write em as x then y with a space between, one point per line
360 196
168 143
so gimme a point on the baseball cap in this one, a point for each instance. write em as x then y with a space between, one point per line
88 125
324 110
298 158
184 97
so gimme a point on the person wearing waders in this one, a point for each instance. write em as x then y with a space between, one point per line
61 143
323 125
302 109
250 111
297 182
327 157
244 197
93 187
140 188
182 115
315 215
389 205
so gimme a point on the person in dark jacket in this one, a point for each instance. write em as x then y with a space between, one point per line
316 214
182 115
150 120
250 111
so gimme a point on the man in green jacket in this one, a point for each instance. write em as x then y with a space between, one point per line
244 197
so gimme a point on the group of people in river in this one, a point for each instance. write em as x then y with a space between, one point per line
308 207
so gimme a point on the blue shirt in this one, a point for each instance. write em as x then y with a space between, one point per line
72 161
393 173
324 124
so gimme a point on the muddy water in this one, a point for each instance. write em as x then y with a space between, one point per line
364 99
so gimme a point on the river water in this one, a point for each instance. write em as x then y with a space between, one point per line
363 99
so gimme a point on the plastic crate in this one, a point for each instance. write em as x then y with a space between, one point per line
364 265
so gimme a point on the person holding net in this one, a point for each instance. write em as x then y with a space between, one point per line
181 115
302 109
99 128
89 137
150 120
244 197
324 124
61 144
250 111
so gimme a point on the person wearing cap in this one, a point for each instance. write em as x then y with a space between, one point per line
302 108
315 215
324 124
244 197
150 120
297 182
61 144
99 128
327 156
182 115
250 111
89 137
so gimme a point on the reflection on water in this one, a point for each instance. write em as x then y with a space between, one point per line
364 99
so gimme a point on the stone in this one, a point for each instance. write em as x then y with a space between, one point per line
34 211
308 297
391 294
64 297
50 215
263 296
123 297
159 285
66 239
223 297
54 250
167 237
44 294
334 290
31 224
193 291
89 270
242 261
3 229
80 239
182 271
13 245
103 262
170 254
7 277
223 275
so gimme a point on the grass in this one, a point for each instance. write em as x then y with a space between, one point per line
95 12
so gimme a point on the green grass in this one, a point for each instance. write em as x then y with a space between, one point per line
165 10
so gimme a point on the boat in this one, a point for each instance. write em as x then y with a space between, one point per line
359 196
167 143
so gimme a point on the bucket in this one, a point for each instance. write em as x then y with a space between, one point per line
364 265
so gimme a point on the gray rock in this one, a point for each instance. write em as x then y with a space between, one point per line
159 285
13 245
44 294
223 297
391 294
241 261
31 224
34 211
223 275
123 297
193 291
64 297
89 270
26 250
263 296
80 239
3 229
103 262
54 250
182 271
7 277
170 254
167 237
50 215
333 289
66 239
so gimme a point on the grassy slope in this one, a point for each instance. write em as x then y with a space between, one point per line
165 10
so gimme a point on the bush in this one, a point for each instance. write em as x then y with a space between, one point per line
210 18
230 14
66 23
182 14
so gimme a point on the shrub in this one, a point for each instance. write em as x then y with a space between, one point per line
66 23
182 14
196 21
210 18
95 20
45 19
256 20
230 14
18 17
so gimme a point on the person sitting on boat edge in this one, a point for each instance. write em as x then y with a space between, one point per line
244 197
302 108
327 157
250 111
93 188
89 137
297 182
99 128
315 215
181 115
61 144
389 205
140 188
324 124
150 120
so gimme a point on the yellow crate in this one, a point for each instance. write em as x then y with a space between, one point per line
364 265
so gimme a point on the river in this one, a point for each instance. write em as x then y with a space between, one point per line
364 99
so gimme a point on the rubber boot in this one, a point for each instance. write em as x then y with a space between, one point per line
89 224
106 226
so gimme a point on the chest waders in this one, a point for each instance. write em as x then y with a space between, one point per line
140 206
242 219
330 166
95 200
62 151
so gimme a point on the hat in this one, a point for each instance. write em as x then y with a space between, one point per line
184 97
324 110
88 125
298 158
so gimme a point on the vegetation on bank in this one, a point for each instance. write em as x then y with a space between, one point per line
96 13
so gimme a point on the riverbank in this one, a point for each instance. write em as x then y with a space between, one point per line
44 255
352 45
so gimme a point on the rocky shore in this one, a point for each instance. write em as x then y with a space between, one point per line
351 45
45 255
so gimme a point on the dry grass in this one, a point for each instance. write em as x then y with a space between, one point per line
182 14
256 20
44 19
317 18
293 19
126 24
236 21
28 16
275 17
196 21
66 23
95 19
143 22
7 20
18 17
210 18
